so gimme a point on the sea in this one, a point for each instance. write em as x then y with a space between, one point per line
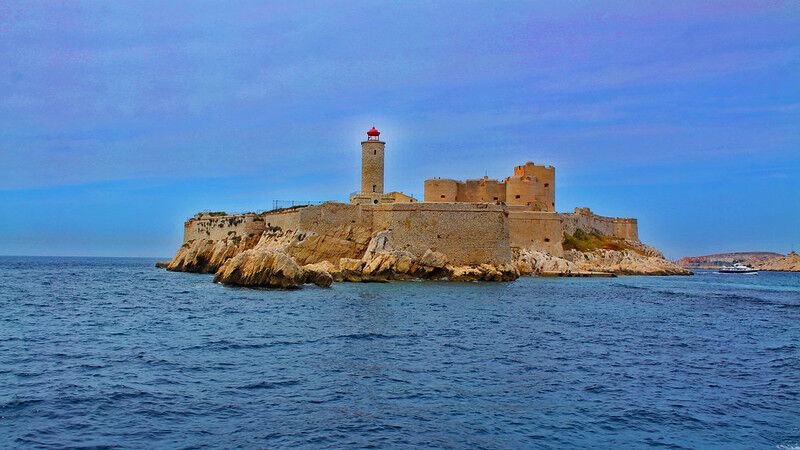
115 353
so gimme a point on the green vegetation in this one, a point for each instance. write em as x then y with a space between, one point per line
586 242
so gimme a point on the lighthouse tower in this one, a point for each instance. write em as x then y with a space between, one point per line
371 170
372 163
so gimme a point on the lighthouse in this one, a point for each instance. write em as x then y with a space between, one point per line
371 170
372 163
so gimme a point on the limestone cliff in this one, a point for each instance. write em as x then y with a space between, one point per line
272 263
206 255
624 262
596 262
268 268
285 259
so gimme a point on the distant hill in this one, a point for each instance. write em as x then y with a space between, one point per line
718 260
788 263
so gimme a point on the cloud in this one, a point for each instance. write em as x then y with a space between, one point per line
670 71
120 91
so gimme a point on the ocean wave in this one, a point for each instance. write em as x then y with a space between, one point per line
270 384
16 403
367 336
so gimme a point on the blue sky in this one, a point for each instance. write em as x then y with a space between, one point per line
119 120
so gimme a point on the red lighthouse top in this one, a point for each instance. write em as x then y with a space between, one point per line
373 134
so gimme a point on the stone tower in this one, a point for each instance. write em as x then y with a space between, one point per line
371 171
372 164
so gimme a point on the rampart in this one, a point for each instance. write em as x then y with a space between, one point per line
441 190
531 186
467 233
586 220
537 230
218 226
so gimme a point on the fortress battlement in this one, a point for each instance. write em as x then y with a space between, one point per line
588 212
531 186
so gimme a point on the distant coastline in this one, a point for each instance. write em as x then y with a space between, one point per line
770 261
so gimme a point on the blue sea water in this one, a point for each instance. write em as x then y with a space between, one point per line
114 352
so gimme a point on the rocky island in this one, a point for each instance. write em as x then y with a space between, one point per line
781 263
767 261
473 230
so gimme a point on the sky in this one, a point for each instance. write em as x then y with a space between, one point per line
120 120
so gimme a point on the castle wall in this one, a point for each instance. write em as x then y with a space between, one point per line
586 220
482 190
544 230
206 226
328 231
520 191
440 190
531 186
285 220
466 233
537 230
534 184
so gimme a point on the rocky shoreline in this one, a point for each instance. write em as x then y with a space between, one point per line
597 263
280 259
788 263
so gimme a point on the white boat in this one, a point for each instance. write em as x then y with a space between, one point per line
738 268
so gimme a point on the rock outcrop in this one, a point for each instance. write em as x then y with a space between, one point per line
350 269
322 273
624 262
268 268
207 256
482 272
310 247
382 262
270 264
597 262
788 263
400 265
532 262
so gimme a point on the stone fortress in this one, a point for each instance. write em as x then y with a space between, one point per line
527 198
523 202
472 229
